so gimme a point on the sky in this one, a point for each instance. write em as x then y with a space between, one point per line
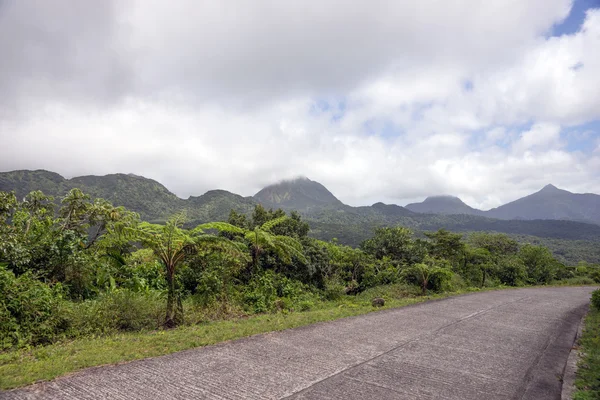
377 100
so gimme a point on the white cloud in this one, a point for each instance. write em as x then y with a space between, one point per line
379 101
540 136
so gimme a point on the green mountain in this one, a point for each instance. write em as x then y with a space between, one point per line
443 205
552 203
150 199
328 217
299 194
24 181
215 205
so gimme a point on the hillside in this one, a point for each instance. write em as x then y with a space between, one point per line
150 199
328 217
215 205
447 205
299 194
552 203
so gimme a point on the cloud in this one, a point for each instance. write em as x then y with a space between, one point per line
379 101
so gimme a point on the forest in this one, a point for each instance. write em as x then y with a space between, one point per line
77 267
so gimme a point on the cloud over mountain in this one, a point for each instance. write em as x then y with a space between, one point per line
377 100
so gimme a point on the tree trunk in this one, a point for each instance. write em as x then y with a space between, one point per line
483 280
174 315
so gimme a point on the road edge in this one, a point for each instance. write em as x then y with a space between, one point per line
569 374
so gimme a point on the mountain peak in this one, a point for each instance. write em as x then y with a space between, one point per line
443 204
443 197
550 187
298 193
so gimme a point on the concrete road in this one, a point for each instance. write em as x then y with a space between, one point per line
510 344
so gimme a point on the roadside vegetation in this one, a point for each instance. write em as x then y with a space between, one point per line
588 372
86 283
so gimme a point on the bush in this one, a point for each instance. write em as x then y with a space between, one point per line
578 280
512 272
269 291
595 275
334 290
30 311
117 310
432 274
596 299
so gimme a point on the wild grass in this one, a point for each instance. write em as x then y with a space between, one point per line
29 365
588 372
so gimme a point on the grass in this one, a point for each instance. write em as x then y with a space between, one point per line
26 366
588 372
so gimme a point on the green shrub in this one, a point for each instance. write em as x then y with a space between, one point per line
270 291
511 272
596 299
432 274
334 290
118 310
595 275
578 280
29 311
306 305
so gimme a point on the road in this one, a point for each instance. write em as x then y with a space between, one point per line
509 344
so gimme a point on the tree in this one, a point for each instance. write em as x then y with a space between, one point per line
539 263
430 274
445 244
395 243
478 259
261 239
511 271
497 244
171 244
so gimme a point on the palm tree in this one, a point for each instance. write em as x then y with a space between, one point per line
261 239
171 244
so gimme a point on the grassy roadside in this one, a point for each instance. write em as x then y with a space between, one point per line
26 366
588 372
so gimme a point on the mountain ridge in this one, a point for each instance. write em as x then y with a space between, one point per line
326 214
443 204
301 194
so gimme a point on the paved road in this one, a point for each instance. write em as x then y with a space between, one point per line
510 344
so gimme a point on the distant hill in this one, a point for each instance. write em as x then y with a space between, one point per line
328 217
299 194
150 199
215 205
443 205
552 203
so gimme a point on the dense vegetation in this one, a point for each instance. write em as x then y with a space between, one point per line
588 373
327 217
87 267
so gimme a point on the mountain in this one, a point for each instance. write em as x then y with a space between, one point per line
150 199
24 181
391 210
551 203
443 205
215 205
146 196
299 194
327 216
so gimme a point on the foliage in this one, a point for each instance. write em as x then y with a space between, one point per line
95 269
30 311
539 263
393 243
596 299
588 373
431 274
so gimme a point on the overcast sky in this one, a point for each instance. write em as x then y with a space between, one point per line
378 100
